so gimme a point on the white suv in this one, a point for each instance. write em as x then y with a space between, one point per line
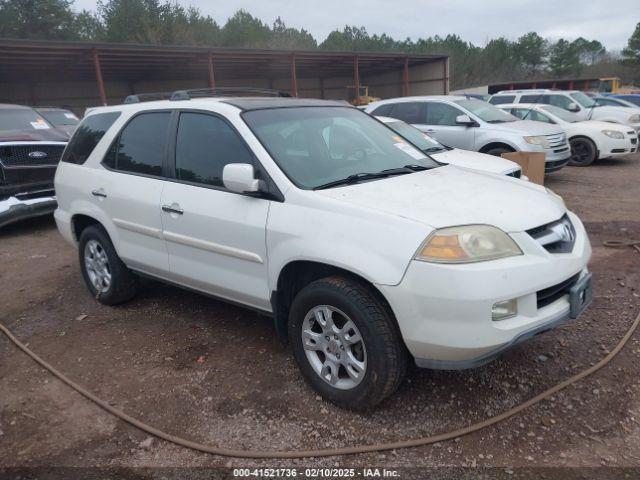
574 101
471 124
364 250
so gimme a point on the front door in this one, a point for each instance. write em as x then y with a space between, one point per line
440 123
215 238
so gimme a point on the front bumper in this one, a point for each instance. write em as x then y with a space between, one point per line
444 311
26 205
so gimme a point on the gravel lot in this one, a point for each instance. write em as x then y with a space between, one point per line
215 373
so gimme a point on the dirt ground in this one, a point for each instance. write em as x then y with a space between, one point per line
215 373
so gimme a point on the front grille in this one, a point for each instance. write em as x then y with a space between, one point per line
618 150
30 155
557 140
634 141
555 237
515 173
554 165
550 294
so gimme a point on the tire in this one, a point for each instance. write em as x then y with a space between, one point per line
380 356
498 151
106 277
583 152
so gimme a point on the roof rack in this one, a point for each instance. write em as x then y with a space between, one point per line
205 92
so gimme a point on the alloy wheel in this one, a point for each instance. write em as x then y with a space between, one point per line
334 347
97 266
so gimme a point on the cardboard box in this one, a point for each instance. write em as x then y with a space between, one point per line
532 164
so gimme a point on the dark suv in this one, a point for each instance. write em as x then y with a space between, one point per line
30 149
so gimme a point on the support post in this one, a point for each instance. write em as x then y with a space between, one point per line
570 84
356 75
212 78
96 66
405 77
294 78
446 76
322 88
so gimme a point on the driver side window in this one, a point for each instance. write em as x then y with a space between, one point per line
560 101
441 114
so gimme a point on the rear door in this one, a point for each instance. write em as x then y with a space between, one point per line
216 239
129 191
440 122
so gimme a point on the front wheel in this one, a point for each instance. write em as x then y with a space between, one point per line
583 152
498 151
346 343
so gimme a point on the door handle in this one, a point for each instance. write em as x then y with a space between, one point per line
99 193
173 208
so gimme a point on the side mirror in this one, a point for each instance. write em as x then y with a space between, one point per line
240 178
573 107
465 120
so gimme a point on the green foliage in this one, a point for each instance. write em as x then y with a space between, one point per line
167 22
631 54
39 19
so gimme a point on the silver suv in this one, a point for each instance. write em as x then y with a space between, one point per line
472 124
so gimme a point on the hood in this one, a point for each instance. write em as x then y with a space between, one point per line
45 135
525 127
476 161
448 196
595 125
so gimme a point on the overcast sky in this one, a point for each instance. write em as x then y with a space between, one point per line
610 21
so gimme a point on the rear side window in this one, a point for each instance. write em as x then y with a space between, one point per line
409 112
560 101
141 146
87 136
383 110
537 98
500 99
204 145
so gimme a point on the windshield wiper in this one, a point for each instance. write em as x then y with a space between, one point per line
434 149
358 177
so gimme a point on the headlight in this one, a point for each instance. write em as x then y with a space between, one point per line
613 134
537 140
634 118
466 244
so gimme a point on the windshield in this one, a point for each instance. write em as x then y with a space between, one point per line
583 99
421 140
561 113
634 100
486 111
22 119
60 117
315 146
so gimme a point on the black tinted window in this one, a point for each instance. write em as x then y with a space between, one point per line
383 110
501 99
205 144
141 146
442 114
410 112
537 98
87 136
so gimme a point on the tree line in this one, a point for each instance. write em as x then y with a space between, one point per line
162 22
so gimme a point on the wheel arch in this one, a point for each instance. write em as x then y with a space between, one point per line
81 221
297 274
491 145
587 137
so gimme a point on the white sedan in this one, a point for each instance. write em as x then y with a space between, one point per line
590 139
454 156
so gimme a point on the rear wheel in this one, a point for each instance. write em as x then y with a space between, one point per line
106 276
583 152
346 343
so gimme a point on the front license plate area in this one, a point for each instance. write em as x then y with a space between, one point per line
580 295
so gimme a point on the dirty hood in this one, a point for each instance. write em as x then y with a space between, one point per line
448 196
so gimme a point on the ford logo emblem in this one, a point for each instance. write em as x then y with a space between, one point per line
37 154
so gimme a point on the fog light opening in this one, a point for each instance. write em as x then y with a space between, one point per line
505 309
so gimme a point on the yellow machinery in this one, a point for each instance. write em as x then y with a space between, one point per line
614 85
361 97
